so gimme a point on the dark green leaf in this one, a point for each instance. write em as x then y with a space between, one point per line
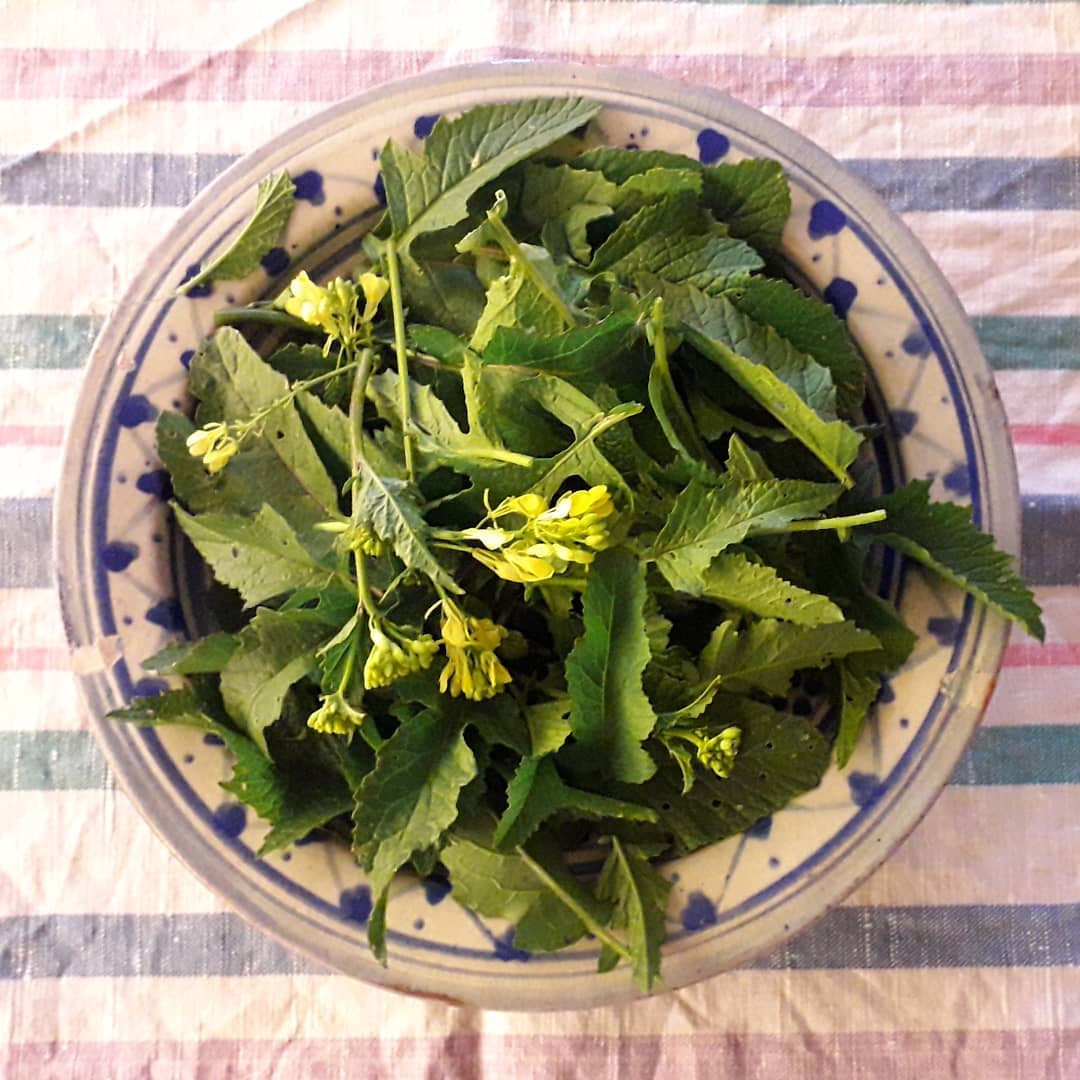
752 198
208 655
570 197
942 537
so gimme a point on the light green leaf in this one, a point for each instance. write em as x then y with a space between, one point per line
706 518
274 204
278 467
537 791
208 655
811 326
619 164
752 198
734 581
611 714
768 652
675 215
639 898
677 424
571 197
261 557
942 537
461 156
410 798
549 725
546 906
387 507
745 464
276 650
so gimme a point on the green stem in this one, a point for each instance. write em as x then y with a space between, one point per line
591 924
822 524
245 427
515 253
402 354
268 316
365 601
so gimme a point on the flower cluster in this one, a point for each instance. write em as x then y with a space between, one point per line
472 669
717 752
214 444
333 307
335 716
394 654
549 540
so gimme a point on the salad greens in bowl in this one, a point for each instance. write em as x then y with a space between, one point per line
541 552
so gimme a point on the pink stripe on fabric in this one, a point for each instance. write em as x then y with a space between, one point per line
1046 434
34 658
1052 654
328 75
27 435
990 1055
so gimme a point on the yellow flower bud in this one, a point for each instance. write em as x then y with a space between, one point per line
374 289
718 752
335 716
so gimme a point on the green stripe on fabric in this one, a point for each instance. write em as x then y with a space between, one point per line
1017 342
1035 754
1030 754
1010 342
46 341
51 761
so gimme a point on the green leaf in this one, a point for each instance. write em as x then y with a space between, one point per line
734 581
752 198
549 725
677 424
570 197
305 795
529 889
276 650
438 342
461 156
780 756
768 652
611 716
858 690
745 464
674 215
208 655
386 505
639 897
619 164
526 296
261 557
586 352
300 362
810 326
279 467
706 518
653 185
832 442
410 798
537 791
328 428
274 204
942 537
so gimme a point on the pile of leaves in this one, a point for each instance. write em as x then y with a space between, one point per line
525 530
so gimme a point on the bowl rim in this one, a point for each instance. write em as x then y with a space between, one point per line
985 643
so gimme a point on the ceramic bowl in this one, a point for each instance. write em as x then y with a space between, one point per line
127 587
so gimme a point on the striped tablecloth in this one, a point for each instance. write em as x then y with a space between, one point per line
960 958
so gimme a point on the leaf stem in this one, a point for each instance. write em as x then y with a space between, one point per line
591 924
822 524
356 452
400 350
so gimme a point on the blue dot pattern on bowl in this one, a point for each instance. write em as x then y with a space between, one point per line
712 146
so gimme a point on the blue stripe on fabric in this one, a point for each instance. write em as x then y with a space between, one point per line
907 184
858 938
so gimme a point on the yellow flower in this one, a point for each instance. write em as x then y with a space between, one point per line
551 539
332 308
472 670
335 716
718 752
519 566
394 654
214 445
374 289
